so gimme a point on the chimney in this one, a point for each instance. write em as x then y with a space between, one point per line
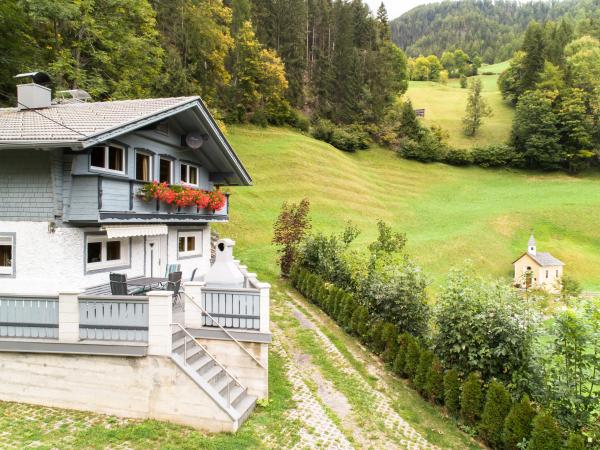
36 94
224 272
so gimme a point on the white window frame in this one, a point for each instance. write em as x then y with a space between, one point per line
10 241
106 169
199 238
150 169
104 263
187 174
171 167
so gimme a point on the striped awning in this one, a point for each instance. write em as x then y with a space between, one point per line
122 231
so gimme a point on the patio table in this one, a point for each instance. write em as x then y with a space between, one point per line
147 282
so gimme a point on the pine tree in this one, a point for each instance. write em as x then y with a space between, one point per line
471 399
533 62
400 359
420 380
383 22
452 392
477 108
575 442
496 408
435 382
518 424
413 353
545 434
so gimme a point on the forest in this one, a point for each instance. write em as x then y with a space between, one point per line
490 29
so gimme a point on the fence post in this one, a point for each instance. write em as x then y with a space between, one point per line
193 314
264 306
68 316
160 317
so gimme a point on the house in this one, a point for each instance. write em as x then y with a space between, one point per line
538 270
129 187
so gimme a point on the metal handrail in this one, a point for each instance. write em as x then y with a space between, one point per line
229 374
204 311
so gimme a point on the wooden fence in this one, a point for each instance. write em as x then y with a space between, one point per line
29 317
238 308
113 318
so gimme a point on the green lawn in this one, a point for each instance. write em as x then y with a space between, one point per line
497 68
445 106
450 214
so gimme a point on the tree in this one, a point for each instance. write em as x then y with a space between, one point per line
535 133
435 382
452 392
496 408
545 434
471 399
289 230
383 22
477 108
518 424
533 61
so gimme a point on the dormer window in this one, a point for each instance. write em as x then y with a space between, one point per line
108 157
189 174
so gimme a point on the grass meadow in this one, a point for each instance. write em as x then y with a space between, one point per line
449 214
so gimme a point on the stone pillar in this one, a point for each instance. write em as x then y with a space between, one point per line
68 316
265 315
160 317
193 313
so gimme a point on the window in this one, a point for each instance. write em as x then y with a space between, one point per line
189 174
143 166
166 169
108 157
189 243
7 252
102 253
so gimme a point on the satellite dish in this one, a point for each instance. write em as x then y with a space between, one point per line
195 139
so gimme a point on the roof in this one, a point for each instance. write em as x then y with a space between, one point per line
82 125
543 259
72 122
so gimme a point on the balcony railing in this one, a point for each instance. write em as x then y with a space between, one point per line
28 317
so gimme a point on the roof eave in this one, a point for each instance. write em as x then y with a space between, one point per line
8 145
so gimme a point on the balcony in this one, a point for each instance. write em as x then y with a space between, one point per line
108 199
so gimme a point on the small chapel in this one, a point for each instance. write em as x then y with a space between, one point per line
538 270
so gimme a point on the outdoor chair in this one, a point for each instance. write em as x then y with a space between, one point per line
193 274
174 284
118 284
172 268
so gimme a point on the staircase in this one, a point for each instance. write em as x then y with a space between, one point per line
195 360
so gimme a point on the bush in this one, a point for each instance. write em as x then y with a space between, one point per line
463 81
435 382
496 155
338 304
376 337
458 157
413 353
347 310
360 322
299 120
518 424
347 138
294 274
452 392
545 434
496 408
389 335
483 327
471 399
420 380
575 442
427 148
400 359
323 293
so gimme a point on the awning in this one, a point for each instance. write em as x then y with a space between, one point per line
122 231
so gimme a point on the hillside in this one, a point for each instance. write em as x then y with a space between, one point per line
445 106
492 29
449 214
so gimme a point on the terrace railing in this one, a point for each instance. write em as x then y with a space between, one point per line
231 308
28 317
113 318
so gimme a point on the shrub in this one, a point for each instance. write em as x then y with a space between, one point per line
338 303
435 382
545 434
471 398
389 335
484 327
347 138
413 353
428 147
289 230
518 424
298 120
400 359
360 321
575 442
452 392
303 284
315 286
347 310
376 337
463 82
420 380
496 155
496 408
294 274
458 157
323 294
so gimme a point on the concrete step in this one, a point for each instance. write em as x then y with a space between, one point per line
192 349
178 334
236 395
245 407
220 384
200 362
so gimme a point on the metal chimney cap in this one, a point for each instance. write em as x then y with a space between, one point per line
38 77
